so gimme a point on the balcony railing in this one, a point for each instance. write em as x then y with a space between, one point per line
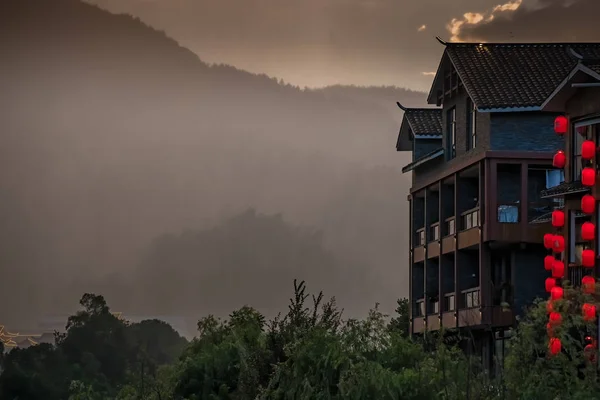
435 231
508 213
450 226
470 298
449 302
420 308
470 219
420 237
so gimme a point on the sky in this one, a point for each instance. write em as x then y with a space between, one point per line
317 43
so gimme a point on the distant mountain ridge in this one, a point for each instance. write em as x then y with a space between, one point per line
113 134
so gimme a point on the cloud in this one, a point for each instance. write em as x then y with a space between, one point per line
473 19
532 21
431 73
422 28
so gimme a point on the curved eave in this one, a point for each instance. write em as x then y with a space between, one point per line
422 160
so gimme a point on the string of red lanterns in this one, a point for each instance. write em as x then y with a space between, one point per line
556 244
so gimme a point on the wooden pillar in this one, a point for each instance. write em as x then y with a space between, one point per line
457 226
441 263
484 258
524 212
411 265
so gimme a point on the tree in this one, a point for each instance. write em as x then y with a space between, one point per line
401 323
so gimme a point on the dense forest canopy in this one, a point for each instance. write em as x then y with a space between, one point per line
114 135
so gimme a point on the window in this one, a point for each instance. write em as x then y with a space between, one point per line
471 125
421 237
449 302
452 227
435 232
472 299
471 220
580 134
451 133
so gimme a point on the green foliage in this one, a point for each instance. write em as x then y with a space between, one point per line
532 374
308 353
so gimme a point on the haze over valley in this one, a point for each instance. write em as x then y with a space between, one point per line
131 168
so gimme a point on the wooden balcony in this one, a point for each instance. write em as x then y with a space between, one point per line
470 233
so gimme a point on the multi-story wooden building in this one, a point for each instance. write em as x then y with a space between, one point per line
481 160
578 98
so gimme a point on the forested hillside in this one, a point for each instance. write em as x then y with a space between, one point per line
114 135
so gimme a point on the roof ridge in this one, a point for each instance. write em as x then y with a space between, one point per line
517 44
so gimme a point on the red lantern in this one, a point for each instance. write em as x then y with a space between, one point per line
588 231
590 351
588 150
555 318
558 218
550 284
554 346
588 284
588 258
588 176
559 160
560 125
548 240
588 204
558 269
558 244
589 312
556 293
549 306
548 263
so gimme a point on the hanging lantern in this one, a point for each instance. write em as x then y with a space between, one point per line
590 352
560 125
549 306
588 176
588 258
554 346
548 240
588 284
558 218
550 284
549 329
588 204
559 160
588 150
548 263
589 312
558 244
558 269
555 318
556 293
588 231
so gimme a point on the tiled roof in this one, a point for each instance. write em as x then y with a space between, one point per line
423 159
564 189
514 75
424 121
594 65
545 218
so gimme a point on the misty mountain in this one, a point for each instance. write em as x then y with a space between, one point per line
114 135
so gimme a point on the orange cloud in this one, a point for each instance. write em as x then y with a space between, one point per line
472 19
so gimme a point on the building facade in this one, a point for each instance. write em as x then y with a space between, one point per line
578 99
482 163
